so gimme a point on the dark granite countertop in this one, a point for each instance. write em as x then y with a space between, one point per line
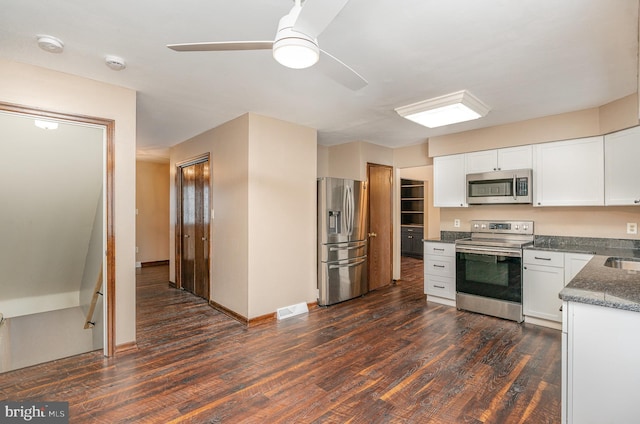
595 284
449 236
598 284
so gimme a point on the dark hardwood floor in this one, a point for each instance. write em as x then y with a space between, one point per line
387 357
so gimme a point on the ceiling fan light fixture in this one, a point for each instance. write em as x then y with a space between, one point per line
449 109
297 52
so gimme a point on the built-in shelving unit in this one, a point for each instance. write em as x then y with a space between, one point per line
412 217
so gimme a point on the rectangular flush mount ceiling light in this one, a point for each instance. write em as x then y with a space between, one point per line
444 110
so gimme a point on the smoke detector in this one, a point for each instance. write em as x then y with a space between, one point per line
116 63
50 44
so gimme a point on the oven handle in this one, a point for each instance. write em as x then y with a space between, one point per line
491 252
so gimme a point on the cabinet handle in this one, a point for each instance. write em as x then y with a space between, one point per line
438 249
438 266
636 201
541 259
524 267
438 287
409 236
560 309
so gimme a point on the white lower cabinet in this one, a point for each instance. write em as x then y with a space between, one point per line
440 272
601 369
544 274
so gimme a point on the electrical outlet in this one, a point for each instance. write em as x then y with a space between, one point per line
456 223
632 228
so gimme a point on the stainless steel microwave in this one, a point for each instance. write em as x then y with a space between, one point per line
500 187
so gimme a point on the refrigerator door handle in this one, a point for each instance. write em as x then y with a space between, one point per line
349 265
348 219
338 249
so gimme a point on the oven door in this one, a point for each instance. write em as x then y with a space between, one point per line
489 272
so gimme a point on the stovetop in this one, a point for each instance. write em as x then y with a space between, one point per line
508 234
495 242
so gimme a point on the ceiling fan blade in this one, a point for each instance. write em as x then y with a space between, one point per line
340 72
316 15
221 46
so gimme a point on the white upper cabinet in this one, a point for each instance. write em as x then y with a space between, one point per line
484 161
449 181
569 173
520 157
622 167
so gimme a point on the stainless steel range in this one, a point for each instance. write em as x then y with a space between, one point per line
489 268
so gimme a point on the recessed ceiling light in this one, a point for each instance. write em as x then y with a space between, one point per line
116 63
50 44
449 109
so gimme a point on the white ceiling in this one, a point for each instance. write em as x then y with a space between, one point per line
524 58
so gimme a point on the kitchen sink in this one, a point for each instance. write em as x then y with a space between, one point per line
623 263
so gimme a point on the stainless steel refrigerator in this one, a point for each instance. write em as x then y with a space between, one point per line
342 240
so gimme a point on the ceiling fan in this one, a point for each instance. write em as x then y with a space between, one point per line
296 44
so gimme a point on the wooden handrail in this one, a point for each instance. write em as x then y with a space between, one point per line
89 323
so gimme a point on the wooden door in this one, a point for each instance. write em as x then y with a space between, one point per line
193 237
380 256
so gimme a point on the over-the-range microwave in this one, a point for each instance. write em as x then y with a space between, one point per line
499 187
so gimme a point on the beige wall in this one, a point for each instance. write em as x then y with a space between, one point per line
42 88
282 215
263 174
607 222
152 204
228 146
350 160
617 115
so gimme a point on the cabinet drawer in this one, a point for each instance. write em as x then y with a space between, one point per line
540 257
440 286
439 249
439 266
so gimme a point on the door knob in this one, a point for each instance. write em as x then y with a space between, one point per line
187 236
372 235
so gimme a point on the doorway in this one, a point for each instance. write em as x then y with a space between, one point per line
58 236
193 226
380 255
430 227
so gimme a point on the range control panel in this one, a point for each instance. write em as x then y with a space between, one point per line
502 227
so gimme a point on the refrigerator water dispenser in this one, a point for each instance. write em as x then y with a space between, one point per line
335 223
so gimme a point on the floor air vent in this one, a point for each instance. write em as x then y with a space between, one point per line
293 310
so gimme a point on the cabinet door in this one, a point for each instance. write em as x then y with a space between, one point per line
573 263
569 173
540 288
449 181
622 173
411 243
604 373
433 248
444 287
520 157
484 161
440 266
